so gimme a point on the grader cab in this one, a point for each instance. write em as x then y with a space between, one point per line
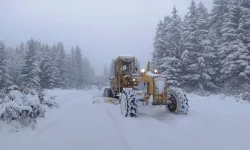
132 86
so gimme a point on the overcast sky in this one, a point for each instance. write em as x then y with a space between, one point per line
103 29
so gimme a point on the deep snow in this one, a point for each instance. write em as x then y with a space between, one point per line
213 123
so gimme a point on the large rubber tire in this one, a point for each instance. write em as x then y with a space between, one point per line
107 92
177 101
128 103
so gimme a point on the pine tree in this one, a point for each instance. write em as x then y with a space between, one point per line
19 60
73 68
58 66
192 58
203 21
217 17
216 22
88 72
79 68
69 72
213 61
245 36
5 79
54 67
91 73
171 63
245 22
40 52
208 47
159 46
15 62
45 67
236 57
30 68
61 65
35 65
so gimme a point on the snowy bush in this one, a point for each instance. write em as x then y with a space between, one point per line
48 101
237 89
244 92
23 106
245 96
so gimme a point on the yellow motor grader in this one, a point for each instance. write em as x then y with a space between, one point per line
132 86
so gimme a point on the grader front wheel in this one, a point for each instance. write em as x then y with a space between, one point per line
107 92
177 101
128 103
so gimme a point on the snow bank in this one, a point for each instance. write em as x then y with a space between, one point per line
23 106
214 122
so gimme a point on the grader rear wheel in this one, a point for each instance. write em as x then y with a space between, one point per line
128 103
172 105
177 101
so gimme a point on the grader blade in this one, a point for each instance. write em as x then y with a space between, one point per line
111 100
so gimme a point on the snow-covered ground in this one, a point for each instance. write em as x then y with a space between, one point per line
213 123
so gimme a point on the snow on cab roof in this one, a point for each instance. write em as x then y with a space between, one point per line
126 57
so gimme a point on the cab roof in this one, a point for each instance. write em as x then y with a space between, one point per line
126 58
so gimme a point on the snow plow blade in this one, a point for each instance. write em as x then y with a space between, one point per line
111 100
98 99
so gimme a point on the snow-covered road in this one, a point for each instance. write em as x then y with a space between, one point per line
213 123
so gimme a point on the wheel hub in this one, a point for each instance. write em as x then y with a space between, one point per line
172 103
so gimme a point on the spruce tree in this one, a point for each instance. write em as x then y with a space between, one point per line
45 67
236 57
58 66
18 61
171 62
193 61
88 72
61 65
54 67
30 69
208 48
5 78
159 46
15 60
217 19
69 73
218 16
203 22
79 68
245 22
73 68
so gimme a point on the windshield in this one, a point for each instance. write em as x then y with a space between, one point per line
127 68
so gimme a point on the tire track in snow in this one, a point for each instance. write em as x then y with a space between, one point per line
41 130
142 114
50 121
126 145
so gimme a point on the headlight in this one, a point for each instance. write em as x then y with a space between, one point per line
134 80
143 70
155 71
